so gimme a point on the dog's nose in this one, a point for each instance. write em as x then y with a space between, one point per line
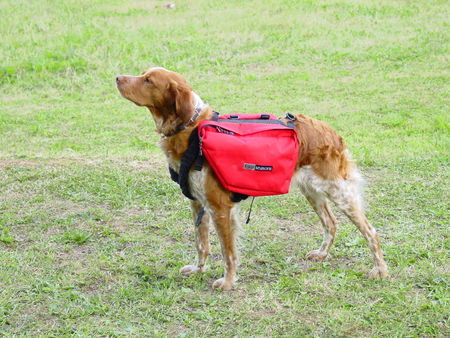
118 79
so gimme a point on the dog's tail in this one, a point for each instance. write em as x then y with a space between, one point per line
334 165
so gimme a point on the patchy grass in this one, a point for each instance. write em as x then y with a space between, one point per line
92 230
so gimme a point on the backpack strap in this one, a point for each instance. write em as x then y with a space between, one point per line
215 116
237 197
291 119
188 160
191 158
173 174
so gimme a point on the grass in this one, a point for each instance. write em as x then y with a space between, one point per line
92 230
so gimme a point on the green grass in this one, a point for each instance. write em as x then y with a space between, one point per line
92 230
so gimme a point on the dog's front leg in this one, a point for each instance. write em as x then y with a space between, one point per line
201 241
226 226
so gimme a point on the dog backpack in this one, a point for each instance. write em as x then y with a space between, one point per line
251 154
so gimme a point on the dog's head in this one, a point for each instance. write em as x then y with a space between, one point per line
165 93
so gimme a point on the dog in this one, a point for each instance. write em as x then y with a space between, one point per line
324 172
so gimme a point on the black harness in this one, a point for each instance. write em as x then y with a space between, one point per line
192 157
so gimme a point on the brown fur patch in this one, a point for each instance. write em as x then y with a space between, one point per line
322 148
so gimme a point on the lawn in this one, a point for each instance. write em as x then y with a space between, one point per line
93 231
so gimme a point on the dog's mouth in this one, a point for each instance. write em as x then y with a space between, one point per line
125 95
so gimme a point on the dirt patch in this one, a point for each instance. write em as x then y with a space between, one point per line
155 161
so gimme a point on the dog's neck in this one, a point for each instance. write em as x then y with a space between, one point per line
172 125
174 146
198 103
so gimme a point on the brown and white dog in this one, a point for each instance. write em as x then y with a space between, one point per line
324 171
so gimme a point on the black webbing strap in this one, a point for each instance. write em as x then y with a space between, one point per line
250 210
173 174
291 118
237 197
200 215
187 161
215 116
199 163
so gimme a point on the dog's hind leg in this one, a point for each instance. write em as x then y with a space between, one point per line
345 193
319 203
201 241
357 216
309 184
333 174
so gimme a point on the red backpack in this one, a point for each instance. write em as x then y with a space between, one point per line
251 154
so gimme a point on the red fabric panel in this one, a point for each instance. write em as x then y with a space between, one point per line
255 159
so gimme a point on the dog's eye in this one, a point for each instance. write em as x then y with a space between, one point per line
147 80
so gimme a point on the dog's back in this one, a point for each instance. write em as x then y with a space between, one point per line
322 148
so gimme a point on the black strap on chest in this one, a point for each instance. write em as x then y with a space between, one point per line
191 156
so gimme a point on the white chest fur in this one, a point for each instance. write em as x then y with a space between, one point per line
196 181
197 184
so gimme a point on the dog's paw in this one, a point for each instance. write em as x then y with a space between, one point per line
378 272
190 269
222 284
316 255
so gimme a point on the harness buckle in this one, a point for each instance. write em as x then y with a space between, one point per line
290 117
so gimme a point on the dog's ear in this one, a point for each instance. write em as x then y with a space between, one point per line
184 106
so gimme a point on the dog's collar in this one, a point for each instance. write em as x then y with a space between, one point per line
199 106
